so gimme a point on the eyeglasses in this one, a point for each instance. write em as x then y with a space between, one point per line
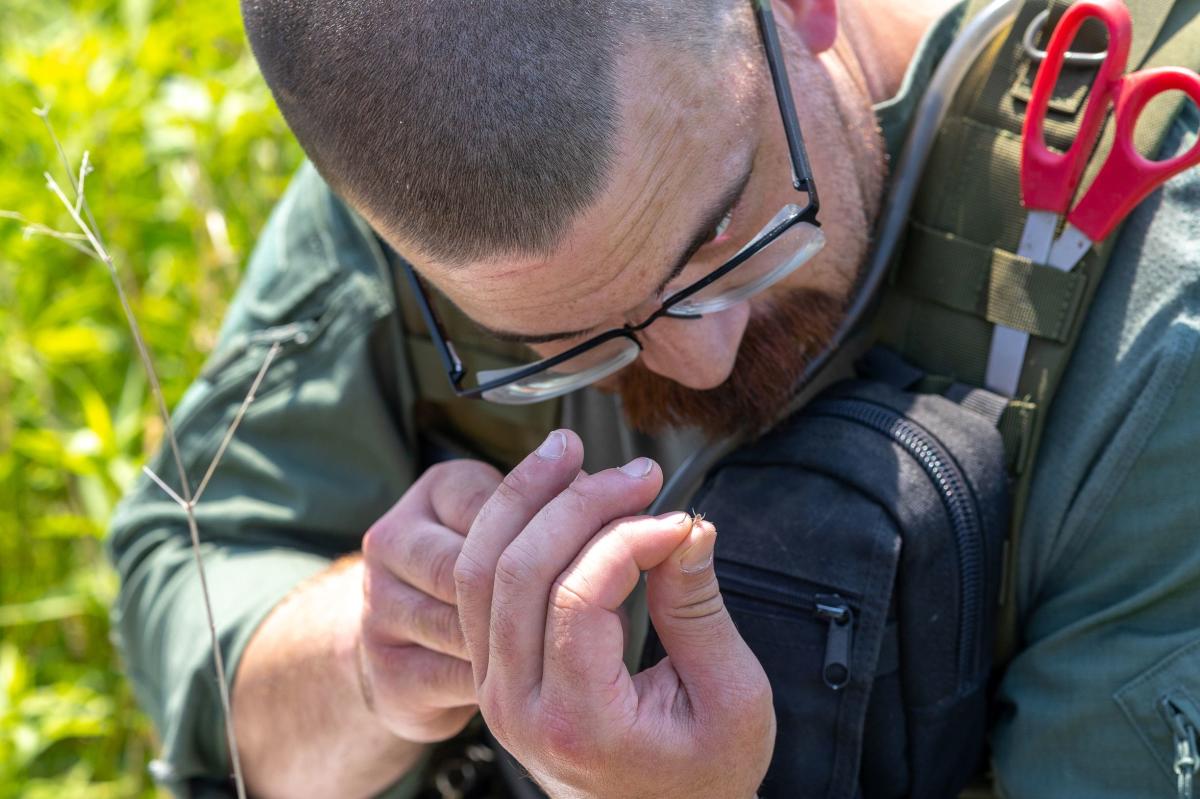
787 242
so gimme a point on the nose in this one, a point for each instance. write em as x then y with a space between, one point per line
697 353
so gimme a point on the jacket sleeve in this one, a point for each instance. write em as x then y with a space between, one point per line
323 452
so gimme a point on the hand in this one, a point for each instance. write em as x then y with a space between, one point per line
545 567
414 669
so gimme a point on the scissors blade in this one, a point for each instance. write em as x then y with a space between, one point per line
1006 355
1005 359
1038 236
1069 250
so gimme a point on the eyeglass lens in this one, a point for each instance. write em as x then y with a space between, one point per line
584 369
775 261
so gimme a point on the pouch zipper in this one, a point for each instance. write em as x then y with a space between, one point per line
1183 731
840 640
951 485
831 608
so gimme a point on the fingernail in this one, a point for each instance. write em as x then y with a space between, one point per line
553 447
638 467
699 555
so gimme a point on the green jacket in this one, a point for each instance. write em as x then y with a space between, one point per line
1109 570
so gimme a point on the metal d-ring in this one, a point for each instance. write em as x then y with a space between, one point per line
1038 56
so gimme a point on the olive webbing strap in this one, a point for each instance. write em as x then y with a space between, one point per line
957 273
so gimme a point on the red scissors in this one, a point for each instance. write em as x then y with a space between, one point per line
1050 180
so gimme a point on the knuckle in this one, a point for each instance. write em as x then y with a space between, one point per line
469 574
578 500
441 625
514 490
698 602
425 559
441 569
375 541
477 472
431 675
565 599
439 472
516 567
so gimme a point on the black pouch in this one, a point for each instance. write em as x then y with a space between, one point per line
859 552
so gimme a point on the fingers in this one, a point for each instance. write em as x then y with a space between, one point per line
417 551
584 637
551 541
396 614
419 538
705 649
423 696
458 490
523 492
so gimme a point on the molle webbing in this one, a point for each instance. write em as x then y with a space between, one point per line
957 273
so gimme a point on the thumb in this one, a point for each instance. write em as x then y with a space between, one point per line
687 611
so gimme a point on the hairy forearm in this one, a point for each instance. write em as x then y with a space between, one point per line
303 726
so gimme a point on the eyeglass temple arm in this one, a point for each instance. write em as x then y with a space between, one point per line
802 177
450 359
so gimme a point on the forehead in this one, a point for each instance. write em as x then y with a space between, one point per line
686 131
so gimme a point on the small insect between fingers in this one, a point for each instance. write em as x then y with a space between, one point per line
688 564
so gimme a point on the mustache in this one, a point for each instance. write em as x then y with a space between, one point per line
784 334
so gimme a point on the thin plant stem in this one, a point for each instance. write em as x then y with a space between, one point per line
170 492
43 114
237 420
135 328
74 240
85 169
78 210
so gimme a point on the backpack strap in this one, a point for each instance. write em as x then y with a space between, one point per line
957 274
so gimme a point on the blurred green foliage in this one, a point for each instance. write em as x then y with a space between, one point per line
189 154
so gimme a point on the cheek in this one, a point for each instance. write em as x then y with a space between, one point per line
538 352
697 353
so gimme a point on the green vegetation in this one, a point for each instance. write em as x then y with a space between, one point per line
189 153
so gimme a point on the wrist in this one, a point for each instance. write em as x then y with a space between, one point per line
345 639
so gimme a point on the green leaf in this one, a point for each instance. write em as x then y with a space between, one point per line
98 419
74 343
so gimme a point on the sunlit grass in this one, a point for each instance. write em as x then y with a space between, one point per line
189 155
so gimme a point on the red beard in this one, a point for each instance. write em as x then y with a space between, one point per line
783 335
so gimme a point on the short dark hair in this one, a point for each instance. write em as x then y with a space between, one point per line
476 127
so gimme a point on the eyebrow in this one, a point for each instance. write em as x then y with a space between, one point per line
701 236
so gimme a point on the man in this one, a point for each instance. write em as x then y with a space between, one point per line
552 174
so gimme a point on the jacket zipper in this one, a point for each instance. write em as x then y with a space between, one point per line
1183 730
950 484
830 608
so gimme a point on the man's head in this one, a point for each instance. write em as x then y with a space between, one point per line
546 165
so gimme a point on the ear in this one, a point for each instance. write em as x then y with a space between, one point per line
814 21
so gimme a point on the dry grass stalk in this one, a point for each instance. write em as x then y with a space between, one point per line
89 241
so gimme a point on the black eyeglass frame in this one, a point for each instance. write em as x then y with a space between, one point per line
802 180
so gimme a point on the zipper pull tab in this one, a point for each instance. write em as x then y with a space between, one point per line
1185 747
832 608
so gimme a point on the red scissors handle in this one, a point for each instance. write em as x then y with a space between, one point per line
1049 179
1127 176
